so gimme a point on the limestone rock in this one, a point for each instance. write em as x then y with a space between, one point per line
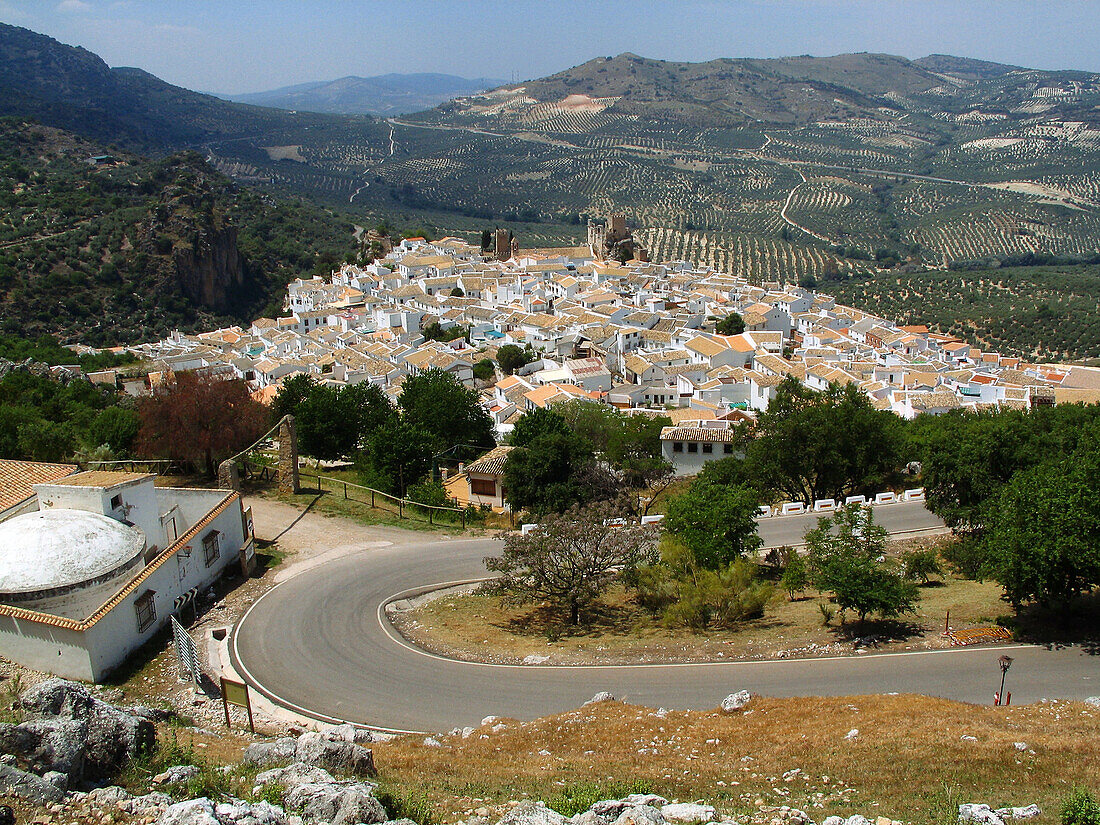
336 804
108 797
24 785
1023 812
856 819
977 812
73 732
736 701
602 696
271 753
641 815
688 812
833 820
296 773
176 773
532 813
1094 701
149 805
347 757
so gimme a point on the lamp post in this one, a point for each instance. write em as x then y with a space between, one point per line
1005 662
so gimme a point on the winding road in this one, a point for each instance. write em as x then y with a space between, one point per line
320 644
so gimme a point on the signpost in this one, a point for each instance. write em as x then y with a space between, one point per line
236 693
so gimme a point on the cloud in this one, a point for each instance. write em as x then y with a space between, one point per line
74 6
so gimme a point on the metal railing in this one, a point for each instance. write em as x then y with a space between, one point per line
378 500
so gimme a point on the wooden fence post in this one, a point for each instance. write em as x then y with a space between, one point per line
345 489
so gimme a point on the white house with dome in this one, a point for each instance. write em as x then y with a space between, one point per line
95 569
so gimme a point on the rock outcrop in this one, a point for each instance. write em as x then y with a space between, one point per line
70 731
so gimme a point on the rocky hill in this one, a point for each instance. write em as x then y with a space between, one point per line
108 247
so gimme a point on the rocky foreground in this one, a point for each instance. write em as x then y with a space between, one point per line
59 763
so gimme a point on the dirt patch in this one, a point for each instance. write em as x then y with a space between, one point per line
285 153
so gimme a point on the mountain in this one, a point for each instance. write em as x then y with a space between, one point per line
385 95
71 88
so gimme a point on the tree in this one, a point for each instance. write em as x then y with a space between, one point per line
921 565
569 559
718 524
795 575
538 422
815 445
732 324
546 475
398 455
843 556
294 391
511 358
436 402
197 416
332 421
1042 537
117 427
484 370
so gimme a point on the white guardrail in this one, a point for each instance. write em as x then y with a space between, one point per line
828 505
793 508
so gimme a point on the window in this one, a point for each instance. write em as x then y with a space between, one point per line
677 446
116 502
211 549
708 448
727 449
693 448
483 486
146 610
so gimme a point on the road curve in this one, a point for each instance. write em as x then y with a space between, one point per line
319 644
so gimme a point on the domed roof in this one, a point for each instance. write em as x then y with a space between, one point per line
62 549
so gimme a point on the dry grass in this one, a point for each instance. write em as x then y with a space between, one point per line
907 749
479 627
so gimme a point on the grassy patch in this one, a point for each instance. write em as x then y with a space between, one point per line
617 630
908 762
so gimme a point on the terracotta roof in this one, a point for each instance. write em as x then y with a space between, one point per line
18 477
492 463
101 478
709 434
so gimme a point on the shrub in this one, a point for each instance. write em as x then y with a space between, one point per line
921 565
1079 807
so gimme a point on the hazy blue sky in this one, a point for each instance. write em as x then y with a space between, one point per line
253 45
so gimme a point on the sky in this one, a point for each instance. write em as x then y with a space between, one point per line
236 46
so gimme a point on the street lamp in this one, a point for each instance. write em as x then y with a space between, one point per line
1005 662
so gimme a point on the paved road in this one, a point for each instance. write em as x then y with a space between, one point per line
318 643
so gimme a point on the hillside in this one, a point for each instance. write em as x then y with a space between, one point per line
130 249
388 94
73 89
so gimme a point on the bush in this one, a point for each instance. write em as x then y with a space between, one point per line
921 565
430 492
1079 807
966 556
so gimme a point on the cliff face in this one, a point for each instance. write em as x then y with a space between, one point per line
210 269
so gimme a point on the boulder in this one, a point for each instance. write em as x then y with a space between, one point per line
237 812
176 773
688 812
192 812
736 701
602 696
108 797
1022 812
149 805
532 813
589 817
296 773
641 815
833 820
645 799
71 731
14 782
271 753
977 812
1094 701
336 804
346 757
349 733
57 778
856 819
